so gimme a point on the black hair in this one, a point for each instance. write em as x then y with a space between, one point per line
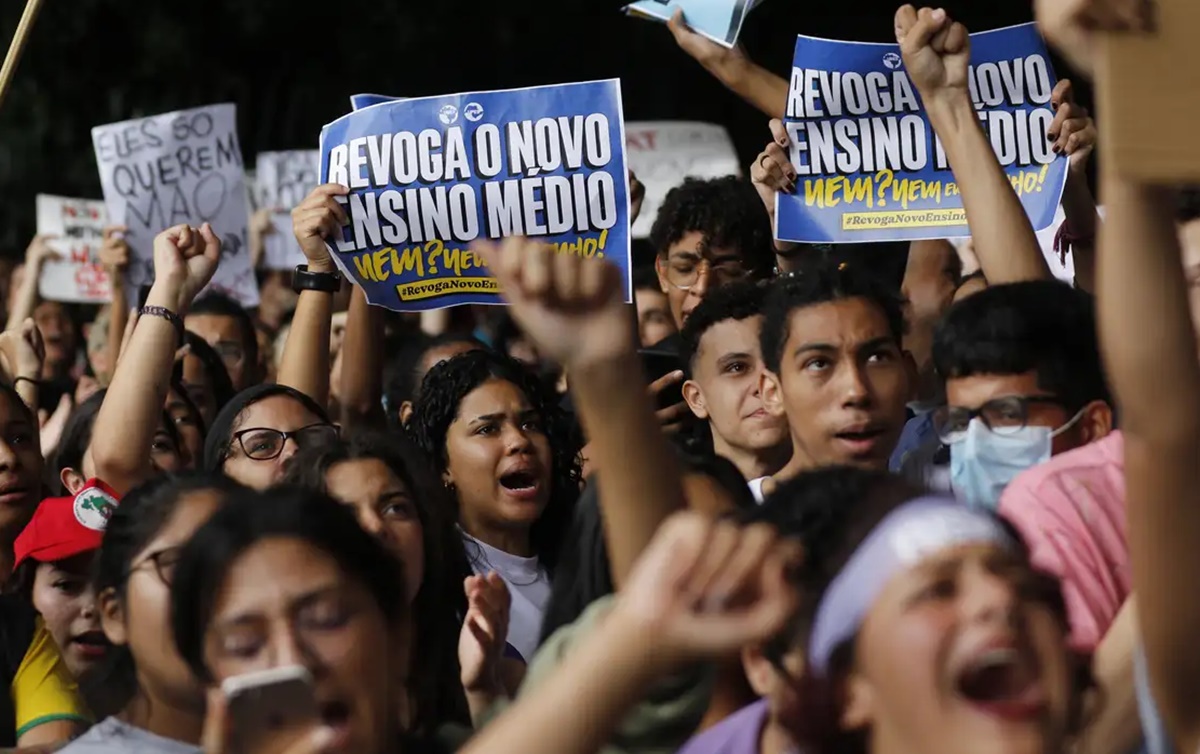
220 305
727 212
584 575
214 367
403 374
738 300
220 435
249 517
1043 326
645 278
141 515
823 281
1187 205
434 685
507 332
75 439
444 389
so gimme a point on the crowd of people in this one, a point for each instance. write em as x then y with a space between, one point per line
783 505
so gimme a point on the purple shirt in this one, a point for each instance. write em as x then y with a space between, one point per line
737 734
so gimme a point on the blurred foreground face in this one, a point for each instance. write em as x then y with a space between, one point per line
1189 239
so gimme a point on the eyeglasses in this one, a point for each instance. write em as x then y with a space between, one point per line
1004 416
685 273
164 562
261 444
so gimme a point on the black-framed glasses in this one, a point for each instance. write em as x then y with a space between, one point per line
164 562
685 274
265 444
1004 416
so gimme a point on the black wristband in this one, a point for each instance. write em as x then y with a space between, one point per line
168 315
325 282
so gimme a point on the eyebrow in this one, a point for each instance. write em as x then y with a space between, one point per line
489 418
304 600
882 340
732 357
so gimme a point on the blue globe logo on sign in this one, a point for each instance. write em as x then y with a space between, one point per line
473 112
448 114
892 60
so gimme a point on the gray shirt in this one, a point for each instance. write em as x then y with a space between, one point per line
111 736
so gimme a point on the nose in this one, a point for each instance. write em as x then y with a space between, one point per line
9 460
515 440
370 521
289 648
290 448
855 391
988 597
700 287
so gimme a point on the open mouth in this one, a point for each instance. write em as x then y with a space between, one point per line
92 643
1002 682
520 482
861 439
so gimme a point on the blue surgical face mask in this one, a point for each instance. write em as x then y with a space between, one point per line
984 462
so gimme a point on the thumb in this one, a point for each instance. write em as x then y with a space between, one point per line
675 23
214 738
915 30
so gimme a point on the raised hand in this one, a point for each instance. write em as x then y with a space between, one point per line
114 251
637 193
484 633
185 259
218 736
772 171
1069 24
22 351
1073 131
39 251
704 588
715 58
316 220
936 52
571 307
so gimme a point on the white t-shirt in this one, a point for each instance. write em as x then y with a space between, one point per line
756 488
111 736
528 584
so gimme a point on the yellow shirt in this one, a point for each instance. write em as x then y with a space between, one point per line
43 690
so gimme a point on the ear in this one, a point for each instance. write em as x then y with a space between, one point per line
1096 422
759 670
695 399
913 375
772 393
858 707
406 412
112 616
661 270
72 480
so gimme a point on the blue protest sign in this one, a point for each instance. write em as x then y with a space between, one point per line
870 166
428 176
719 20
360 101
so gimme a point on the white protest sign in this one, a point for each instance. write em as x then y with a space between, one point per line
78 227
284 179
181 167
663 153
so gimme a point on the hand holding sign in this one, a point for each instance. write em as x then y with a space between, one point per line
936 51
38 252
22 352
1073 131
114 251
716 59
570 306
184 261
317 219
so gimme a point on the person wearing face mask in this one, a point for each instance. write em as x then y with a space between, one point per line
1023 383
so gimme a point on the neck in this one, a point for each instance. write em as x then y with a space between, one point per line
514 541
774 739
753 462
163 719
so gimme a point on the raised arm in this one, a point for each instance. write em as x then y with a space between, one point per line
114 256
741 75
1074 134
362 363
936 52
571 308
184 261
25 298
305 362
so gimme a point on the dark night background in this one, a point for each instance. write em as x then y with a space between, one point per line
290 67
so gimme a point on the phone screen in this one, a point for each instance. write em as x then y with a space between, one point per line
658 364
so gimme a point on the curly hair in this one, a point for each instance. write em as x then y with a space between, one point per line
434 687
443 390
725 211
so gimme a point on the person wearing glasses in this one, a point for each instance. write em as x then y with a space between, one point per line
708 233
255 435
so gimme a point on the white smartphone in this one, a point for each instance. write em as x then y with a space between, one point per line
268 703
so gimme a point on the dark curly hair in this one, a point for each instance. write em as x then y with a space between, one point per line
736 301
726 211
434 687
444 389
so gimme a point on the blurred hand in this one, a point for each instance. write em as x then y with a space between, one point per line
936 52
569 306
38 252
218 736
22 351
1070 25
1073 131
671 417
114 251
316 220
185 259
261 226
484 633
704 588
715 58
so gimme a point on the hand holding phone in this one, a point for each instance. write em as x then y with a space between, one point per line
271 711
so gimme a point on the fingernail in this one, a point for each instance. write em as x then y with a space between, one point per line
783 142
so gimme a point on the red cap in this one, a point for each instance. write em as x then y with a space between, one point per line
63 527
